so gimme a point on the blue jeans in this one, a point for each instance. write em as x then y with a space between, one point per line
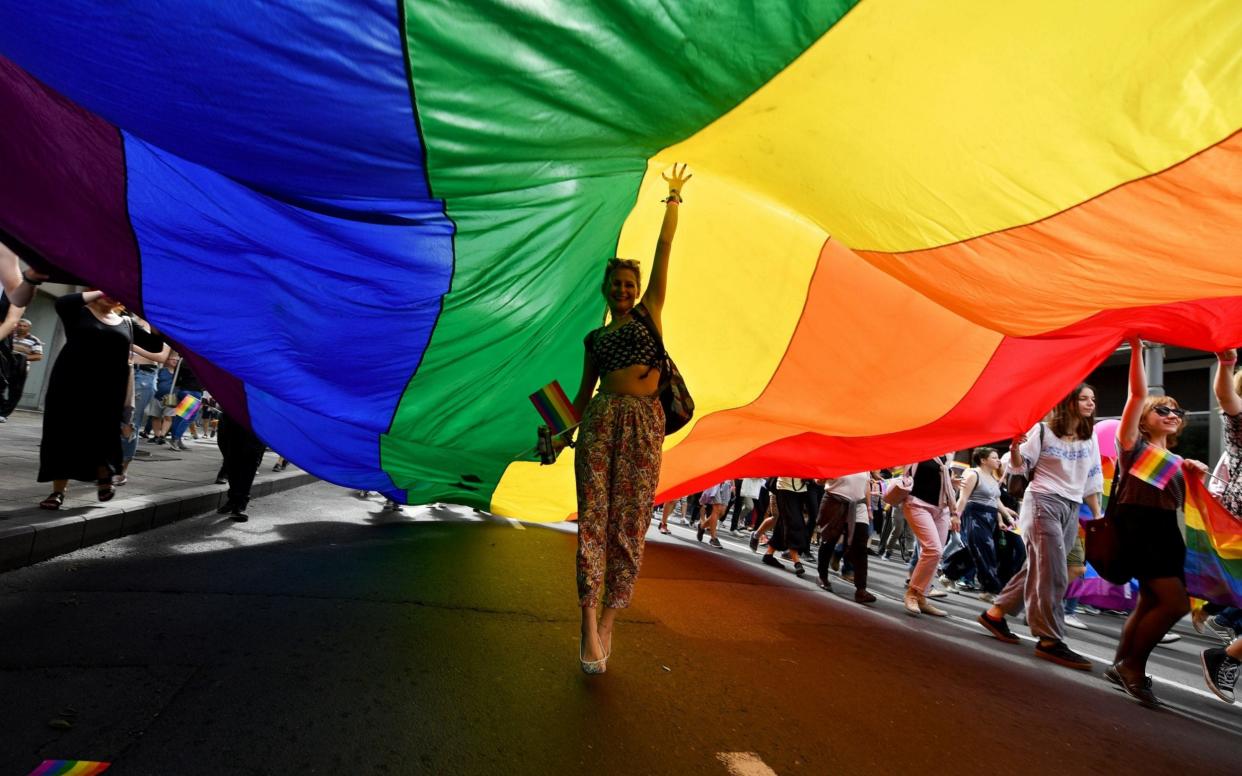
180 424
144 391
1230 616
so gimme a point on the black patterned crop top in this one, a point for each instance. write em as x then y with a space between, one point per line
624 346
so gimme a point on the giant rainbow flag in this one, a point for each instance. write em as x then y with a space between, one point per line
912 226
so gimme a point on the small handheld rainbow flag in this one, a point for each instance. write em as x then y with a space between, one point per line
1213 546
555 408
187 407
69 768
1156 466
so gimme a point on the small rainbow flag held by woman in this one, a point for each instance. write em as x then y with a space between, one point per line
187 407
1156 466
1213 546
69 768
555 407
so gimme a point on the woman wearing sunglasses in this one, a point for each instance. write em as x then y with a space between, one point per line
1152 548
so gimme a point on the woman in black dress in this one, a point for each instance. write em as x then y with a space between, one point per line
86 395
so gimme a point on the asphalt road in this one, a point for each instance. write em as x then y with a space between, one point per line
327 637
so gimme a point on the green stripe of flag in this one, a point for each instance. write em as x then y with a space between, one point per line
538 123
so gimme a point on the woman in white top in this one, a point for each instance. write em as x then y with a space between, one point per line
1064 460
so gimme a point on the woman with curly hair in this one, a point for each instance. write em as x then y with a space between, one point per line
1151 545
617 460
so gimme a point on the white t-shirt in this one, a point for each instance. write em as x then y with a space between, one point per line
1069 469
794 484
855 488
751 486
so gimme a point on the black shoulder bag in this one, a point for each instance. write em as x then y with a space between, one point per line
674 395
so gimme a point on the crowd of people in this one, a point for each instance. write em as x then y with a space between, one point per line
1008 528
116 381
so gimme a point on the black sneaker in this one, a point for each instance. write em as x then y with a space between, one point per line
1059 652
716 543
239 516
998 628
825 584
864 597
698 533
1220 672
222 480
754 541
799 569
770 560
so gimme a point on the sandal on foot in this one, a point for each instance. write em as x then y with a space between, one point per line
105 490
590 666
54 501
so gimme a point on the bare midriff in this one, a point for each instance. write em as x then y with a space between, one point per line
630 381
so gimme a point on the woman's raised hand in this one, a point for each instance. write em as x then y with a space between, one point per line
677 180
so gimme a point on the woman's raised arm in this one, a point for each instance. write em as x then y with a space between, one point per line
657 284
1128 431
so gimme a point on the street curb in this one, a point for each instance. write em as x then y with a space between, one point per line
26 545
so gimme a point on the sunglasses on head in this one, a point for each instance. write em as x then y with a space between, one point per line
1164 410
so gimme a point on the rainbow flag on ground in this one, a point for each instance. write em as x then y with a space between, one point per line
555 407
187 407
1156 466
1213 546
69 768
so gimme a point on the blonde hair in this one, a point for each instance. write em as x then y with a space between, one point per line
1152 402
616 264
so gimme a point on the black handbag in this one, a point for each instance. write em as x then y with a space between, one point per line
674 395
1104 540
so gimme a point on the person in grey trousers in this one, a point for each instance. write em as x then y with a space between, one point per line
1063 459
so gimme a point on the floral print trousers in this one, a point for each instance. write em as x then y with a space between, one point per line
617 467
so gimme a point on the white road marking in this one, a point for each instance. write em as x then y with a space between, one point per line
744 764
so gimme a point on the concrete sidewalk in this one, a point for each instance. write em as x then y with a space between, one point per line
164 485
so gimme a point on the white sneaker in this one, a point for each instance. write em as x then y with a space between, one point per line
1169 638
987 598
1073 621
945 582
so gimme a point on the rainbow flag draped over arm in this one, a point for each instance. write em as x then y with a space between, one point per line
1213 546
